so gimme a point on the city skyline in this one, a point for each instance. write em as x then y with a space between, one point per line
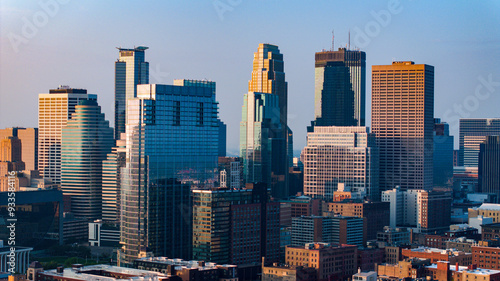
464 52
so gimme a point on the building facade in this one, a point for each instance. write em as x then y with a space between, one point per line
340 88
443 154
489 166
472 134
54 111
131 69
171 148
111 181
341 155
402 121
86 140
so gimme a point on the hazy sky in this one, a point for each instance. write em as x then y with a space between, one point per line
47 43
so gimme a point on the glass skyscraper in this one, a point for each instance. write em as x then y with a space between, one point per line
472 133
443 154
54 111
262 146
86 140
340 90
172 146
130 70
268 77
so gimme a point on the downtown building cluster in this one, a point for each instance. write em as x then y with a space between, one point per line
160 190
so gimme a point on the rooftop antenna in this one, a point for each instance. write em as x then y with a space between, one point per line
349 39
333 39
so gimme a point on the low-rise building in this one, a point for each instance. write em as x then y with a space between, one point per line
288 273
365 276
435 255
411 268
393 236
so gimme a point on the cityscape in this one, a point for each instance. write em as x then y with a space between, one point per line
230 140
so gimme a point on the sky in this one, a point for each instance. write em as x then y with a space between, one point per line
47 43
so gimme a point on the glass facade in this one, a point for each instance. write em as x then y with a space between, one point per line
472 133
130 70
443 154
111 182
86 140
54 111
268 76
262 147
171 147
340 88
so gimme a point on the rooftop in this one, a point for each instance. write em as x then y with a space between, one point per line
185 264
490 207
97 272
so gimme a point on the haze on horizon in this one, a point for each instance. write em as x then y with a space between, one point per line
48 43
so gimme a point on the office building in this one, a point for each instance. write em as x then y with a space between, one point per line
10 159
489 166
230 172
131 69
237 226
341 156
443 154
111 181
376 214
14 258
222 139
172 147
486 210
402 121
472 134
86 140
268 77
262 146
393 237
39 218
29 144
277 272
340 88
424 211
54 111
337 262
435 255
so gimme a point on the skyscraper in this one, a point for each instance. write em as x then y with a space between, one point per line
54 111
130 70
443 154
403 121
268 76
111 181
472 133
86 140
341 156
340 88
489 166
172 146
29 144
262 146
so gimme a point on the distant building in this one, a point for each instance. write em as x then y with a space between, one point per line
486 257
20 256
230 172
489 166
54 111
486 210
472 134
393 237
435 255
321 256
29 144
426 211
365 276
341 155
288 273
102 234
111 181
412 268
376 214
443 154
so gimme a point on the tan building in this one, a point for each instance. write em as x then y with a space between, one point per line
412 268
403 121
54 111
331 261
288 273
29 144
486 210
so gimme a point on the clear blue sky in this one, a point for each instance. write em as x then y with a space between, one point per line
43 45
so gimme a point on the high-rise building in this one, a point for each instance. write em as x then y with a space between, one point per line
268 77
86 140
131 69
171 148
262 145
222 138
237 226
443 154
489 166
425 211
340 88
10 160
403 121
472 133
29 143
111 181
54 111
230 172
340 155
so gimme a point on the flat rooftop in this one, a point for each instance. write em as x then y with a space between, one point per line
99 272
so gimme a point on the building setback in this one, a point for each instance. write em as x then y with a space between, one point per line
472 134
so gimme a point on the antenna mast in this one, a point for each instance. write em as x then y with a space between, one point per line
333 39
349 39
